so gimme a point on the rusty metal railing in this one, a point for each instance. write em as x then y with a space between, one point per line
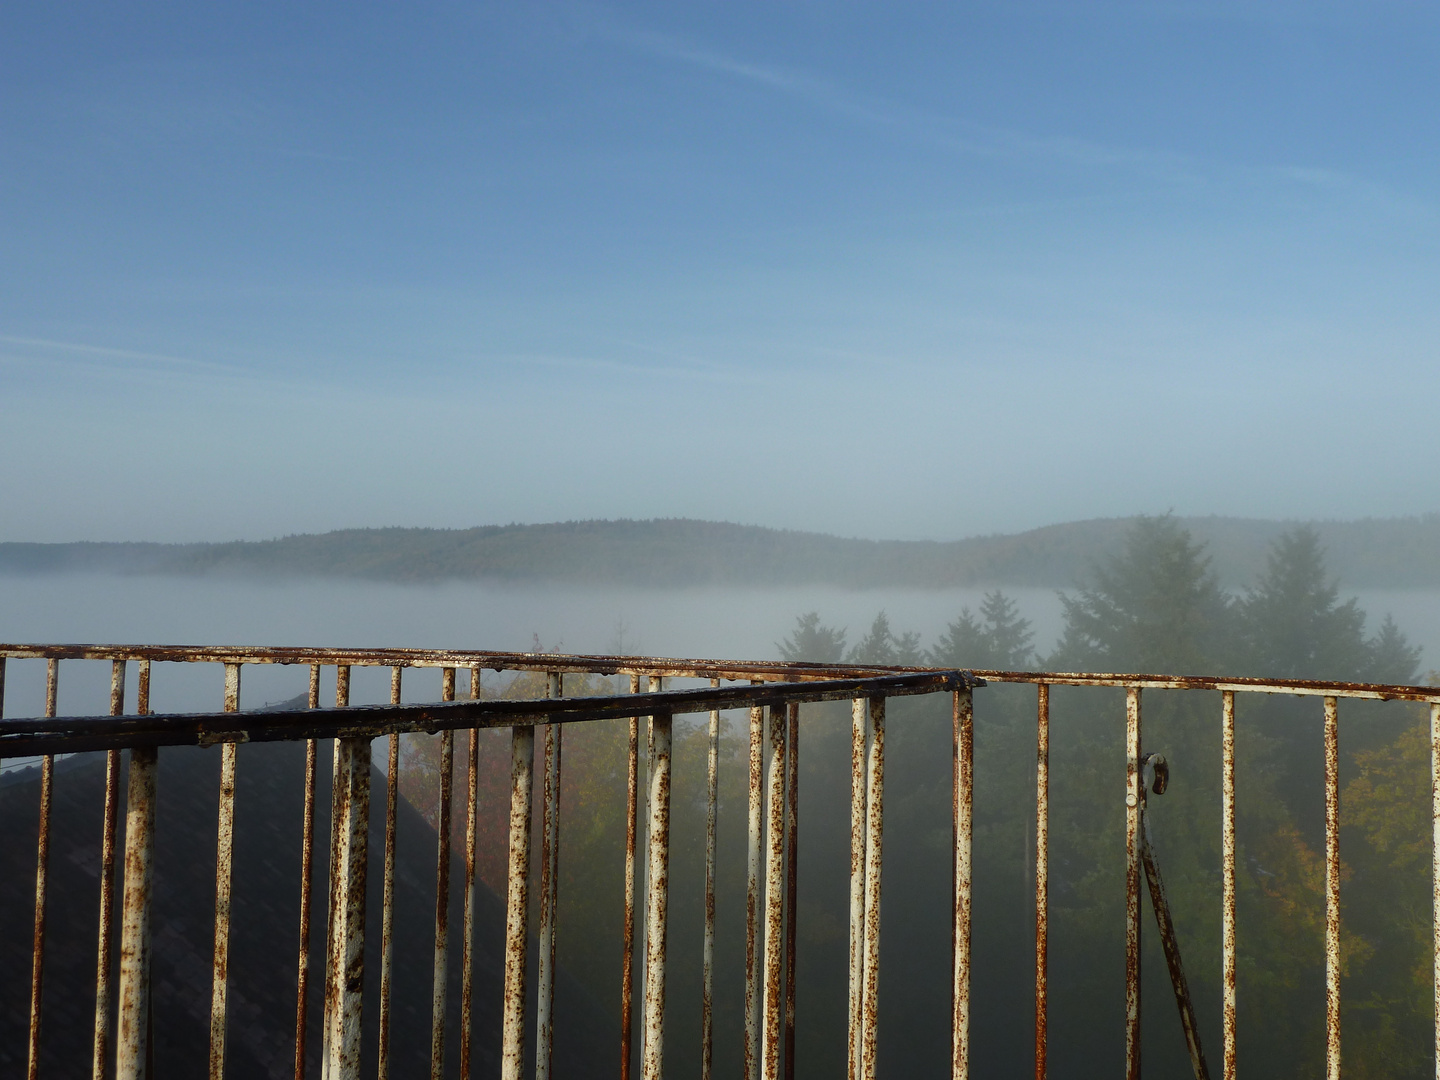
772 693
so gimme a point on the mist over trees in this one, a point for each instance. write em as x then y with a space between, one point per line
1157 606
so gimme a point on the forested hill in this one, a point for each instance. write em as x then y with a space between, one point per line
1374 553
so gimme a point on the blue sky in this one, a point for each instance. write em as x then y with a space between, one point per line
904 271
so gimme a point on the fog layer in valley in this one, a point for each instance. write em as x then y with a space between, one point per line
728 623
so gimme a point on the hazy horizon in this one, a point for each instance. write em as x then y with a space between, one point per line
902 272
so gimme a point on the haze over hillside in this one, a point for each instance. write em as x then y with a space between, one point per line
1374 553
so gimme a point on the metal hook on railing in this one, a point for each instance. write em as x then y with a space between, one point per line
1158 771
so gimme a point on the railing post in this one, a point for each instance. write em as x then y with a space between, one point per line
517 913
755 828
874 832
549 888
224 850
467 941
657 882
347 975
42 870
307 862
627 976
131 1048
387 888
712 765
774 894
441 981
1332 890
859 724
1133 781
963 789
100 1059
1042 881
1434 868
1227 881
792 876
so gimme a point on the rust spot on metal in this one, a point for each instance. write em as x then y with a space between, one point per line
467 951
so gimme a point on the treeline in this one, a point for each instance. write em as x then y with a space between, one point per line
1155 605
1395 553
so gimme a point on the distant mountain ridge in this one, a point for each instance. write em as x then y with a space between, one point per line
1371 553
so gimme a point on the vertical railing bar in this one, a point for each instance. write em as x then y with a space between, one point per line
224 853
657 889
1042 881
307 864
755 828
1132 883
442 888
342 698
549 867
774 915
387 903
792 881
134 1050
874 834
467 949
1332 889
101 1055
707 989
859 725
132 1046
517 902
627 978
42 870
348 957
1434 870
963 748
1227 880
653 684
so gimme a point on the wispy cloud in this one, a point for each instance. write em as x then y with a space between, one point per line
62 350
974 139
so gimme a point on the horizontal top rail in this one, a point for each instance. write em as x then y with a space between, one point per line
72 734
660 666
1303 687
679 667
